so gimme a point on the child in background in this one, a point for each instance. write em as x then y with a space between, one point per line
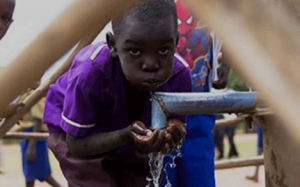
199 48
35 158
98 113
7 8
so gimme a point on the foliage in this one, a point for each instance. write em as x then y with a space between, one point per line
236 83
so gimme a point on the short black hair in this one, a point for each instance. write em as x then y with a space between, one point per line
147 11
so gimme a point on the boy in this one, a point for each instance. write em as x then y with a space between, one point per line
98 111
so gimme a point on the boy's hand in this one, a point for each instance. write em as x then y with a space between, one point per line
175 133
148 141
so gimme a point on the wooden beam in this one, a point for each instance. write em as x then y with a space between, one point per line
237 163
80 19
228 122
264 45
41 91
32 135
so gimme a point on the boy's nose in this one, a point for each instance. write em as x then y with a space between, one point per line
150 65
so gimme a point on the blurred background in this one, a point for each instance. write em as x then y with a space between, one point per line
30 18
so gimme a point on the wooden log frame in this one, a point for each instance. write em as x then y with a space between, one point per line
16 135
35 96
228 122
22 135
237 163
79 20
263 43
224 164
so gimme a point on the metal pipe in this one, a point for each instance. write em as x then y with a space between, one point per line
166 104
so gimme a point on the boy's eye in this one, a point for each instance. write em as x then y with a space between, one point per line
135 52
163 51
6 19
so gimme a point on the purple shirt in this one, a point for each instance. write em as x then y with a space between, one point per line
90 96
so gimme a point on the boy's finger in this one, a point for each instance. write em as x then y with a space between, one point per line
153 137
158 143
168 136
166 149
176 133
139 130
141 143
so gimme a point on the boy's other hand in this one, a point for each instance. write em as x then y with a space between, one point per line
175 133
148 141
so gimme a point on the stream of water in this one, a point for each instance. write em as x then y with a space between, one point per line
156 166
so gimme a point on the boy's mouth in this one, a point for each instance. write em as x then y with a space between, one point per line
151 83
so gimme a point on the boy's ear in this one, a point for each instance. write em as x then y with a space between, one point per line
111 42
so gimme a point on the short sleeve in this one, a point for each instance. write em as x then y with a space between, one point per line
82 98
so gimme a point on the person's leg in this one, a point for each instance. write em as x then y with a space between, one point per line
259 152
230 134
220 138
256 173
221 143
50 180
217 142
30 183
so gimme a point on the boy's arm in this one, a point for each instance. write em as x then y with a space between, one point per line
98 143
223 72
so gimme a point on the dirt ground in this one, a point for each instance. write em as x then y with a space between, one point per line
13 176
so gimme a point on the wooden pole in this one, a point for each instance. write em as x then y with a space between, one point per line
264 45
281 154
33 98
237 163
32 135
228 122
79 20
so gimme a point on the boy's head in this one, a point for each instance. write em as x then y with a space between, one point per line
6 13
144 40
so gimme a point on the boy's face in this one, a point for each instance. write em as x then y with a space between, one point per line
6 12
145 51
